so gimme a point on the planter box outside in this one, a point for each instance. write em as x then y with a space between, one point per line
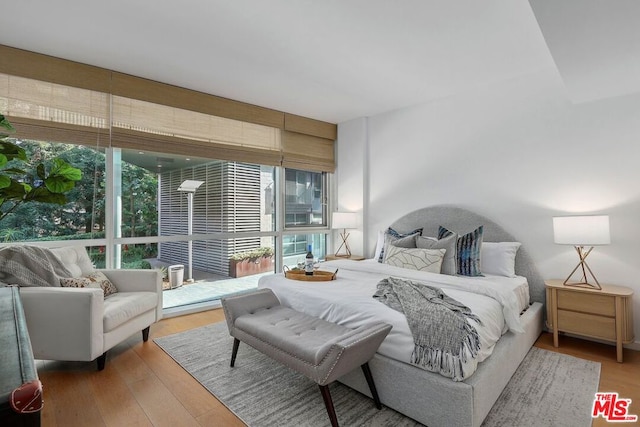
248 267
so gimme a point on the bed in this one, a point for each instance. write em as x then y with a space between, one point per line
461 398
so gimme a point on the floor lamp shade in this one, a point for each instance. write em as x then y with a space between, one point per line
344 220
581 231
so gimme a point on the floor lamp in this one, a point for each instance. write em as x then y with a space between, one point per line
190 186
582 231
344 220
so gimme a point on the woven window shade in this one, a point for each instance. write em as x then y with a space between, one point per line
49 111
307 152
54 99
161 119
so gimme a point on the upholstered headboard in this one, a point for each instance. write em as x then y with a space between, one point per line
462 221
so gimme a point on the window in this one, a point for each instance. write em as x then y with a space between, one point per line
79 218
295 247
305 207
305 198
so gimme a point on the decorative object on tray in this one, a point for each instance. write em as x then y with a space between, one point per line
581 231
317 276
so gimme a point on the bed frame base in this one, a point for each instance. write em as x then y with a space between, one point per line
439 401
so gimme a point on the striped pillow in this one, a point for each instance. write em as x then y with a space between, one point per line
467 250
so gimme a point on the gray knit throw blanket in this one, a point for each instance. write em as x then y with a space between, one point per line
31 266
438 323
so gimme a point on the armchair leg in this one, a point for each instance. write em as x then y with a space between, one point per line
145 334
101 361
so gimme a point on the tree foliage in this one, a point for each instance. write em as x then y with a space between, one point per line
82 213
24 179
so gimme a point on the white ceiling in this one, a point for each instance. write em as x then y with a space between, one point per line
336 60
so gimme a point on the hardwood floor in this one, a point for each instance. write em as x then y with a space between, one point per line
142 386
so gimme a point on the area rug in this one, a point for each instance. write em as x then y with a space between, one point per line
548 389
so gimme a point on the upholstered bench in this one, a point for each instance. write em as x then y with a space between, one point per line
320 350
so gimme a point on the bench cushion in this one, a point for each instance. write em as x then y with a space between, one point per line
308 338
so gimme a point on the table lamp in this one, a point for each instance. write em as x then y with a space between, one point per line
344 220
582 231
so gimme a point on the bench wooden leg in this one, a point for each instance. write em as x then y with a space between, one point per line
328 403
372 386
234 352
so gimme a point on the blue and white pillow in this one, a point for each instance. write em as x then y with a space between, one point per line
467 250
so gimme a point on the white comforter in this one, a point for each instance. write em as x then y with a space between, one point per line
348 301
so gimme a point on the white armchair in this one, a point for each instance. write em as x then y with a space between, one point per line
79 324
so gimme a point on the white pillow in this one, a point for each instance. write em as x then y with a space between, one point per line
414 259
379 245
499 258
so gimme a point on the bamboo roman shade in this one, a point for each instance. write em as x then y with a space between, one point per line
55 99
154 127
307 152
53 112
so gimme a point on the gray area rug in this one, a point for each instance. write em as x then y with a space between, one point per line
548 389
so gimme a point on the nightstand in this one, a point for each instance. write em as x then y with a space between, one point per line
605 314
352 257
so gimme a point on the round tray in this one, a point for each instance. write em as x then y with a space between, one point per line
318 275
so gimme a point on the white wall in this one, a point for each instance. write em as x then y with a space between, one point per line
517 152
349 179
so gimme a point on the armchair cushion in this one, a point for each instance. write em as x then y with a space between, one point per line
75 259
124 306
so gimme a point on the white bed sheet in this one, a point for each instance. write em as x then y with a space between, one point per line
348 301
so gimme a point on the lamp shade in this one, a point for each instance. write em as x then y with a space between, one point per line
585 230
344 220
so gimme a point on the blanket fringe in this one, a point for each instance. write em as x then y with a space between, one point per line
445 362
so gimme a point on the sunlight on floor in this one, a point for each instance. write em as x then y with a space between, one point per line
206 291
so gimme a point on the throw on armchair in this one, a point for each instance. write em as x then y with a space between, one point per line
80 323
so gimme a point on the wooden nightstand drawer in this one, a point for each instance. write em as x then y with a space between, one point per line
587 324
604 305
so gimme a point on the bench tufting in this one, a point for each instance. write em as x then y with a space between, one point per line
322 351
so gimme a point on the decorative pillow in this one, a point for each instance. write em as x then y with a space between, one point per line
447 243
415 259
392 235
96 280
467 250
499 258
403 242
